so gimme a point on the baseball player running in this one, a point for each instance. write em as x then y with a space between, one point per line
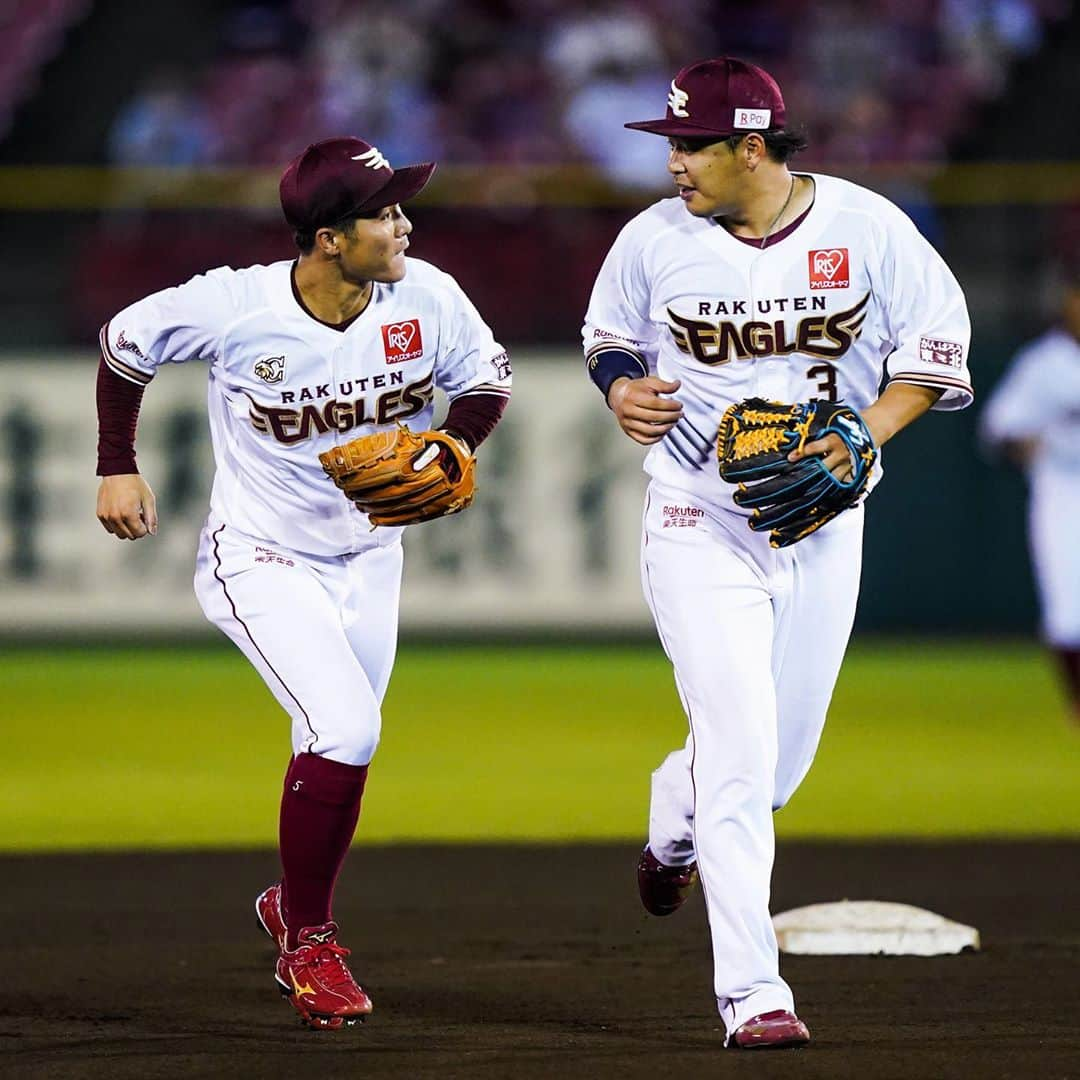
788 324
351 338
1034 416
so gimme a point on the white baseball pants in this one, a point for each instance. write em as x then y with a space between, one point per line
756 637
321 631
1055 554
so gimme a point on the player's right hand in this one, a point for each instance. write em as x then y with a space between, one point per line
642 413
126 506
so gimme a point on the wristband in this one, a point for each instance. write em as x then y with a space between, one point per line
609 363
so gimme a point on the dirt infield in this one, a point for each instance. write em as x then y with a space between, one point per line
527 962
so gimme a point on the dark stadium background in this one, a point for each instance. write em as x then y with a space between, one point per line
957 110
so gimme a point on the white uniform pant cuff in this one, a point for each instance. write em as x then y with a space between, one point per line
736 1013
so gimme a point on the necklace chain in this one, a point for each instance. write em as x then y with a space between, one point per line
772 225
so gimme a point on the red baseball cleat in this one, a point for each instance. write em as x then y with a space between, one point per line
663 888
318 983
271 917
771 1031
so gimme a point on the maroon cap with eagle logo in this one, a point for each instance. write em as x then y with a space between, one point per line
337 177
719 98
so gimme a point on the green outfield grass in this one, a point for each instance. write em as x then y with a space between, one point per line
185 747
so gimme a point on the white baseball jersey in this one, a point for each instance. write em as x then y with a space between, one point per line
853 297
1038 400
284 387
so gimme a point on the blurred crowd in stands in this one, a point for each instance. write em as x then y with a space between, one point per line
541 83
31 34
552 81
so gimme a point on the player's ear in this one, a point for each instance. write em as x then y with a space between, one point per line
752 148
326 240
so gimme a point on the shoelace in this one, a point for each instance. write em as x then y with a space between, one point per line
332 967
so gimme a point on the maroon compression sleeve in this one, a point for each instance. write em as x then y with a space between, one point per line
473 417
118 402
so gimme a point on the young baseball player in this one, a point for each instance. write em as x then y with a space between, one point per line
753 285
350 338
1034 416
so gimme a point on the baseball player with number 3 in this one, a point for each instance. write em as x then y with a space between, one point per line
764 333
315 366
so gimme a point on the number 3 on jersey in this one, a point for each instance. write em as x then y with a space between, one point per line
825 374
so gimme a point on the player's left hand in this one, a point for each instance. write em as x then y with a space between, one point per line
834 454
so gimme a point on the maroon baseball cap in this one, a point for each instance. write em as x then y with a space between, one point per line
719 97
336 177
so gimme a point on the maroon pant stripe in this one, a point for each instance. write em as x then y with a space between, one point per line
254 643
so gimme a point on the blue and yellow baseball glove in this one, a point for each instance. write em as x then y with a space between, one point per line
791 499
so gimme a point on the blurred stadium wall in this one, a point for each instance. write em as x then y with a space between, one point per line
117 179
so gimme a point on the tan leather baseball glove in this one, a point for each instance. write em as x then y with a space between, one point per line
401 477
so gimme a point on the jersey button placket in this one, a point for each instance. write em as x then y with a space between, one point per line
751 300
336 356
336 368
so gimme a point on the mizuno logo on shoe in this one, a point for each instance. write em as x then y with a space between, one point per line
300 990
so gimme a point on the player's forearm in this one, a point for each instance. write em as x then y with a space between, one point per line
118 402
473 417
899 405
